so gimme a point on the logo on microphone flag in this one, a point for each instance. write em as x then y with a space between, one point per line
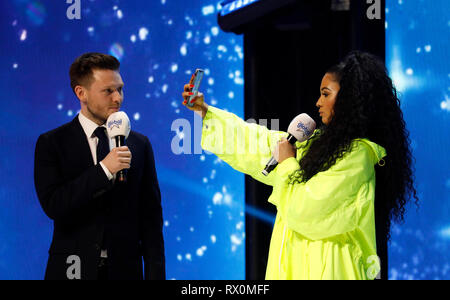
115 123
305 130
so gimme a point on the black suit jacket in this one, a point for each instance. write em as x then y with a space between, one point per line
90 212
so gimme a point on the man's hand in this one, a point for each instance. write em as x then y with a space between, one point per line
118 159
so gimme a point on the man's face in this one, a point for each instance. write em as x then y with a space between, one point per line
103 97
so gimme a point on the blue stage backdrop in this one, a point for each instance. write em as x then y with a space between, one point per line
159 44
417 56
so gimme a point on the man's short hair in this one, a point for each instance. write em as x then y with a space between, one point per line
81 69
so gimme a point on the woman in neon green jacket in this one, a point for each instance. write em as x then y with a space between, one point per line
324 188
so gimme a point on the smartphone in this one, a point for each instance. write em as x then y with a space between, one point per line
198 76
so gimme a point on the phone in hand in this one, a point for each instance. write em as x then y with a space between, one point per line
198 76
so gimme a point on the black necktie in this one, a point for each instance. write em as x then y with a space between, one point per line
103 143
102 151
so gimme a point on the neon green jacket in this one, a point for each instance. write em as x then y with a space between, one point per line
324 228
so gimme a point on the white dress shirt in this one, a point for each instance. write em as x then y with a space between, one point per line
89 128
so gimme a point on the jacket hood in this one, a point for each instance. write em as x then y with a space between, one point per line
378 152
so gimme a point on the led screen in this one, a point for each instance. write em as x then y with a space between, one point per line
417 35
159 44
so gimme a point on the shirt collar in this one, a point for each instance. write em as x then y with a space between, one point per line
88 125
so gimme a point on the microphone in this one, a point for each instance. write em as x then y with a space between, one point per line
118 127
300 129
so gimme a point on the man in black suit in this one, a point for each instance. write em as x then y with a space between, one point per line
102 228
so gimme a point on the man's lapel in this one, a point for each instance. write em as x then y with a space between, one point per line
82 155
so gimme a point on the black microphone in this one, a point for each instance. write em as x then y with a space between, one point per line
300 129
118 126
122 174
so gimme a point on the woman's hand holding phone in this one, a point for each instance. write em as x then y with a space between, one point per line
198 103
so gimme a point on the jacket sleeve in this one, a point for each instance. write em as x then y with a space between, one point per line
331 202
246 147
64 200
151 220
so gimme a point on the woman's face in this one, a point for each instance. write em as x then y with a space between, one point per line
329 89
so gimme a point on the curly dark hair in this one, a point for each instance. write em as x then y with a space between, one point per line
367 106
